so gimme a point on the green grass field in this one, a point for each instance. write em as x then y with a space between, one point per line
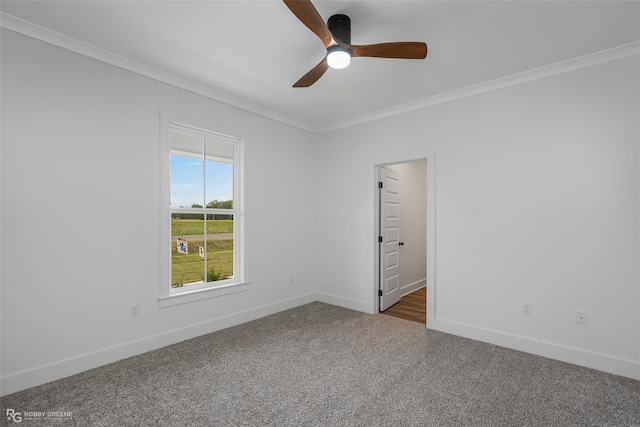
188 227
189 268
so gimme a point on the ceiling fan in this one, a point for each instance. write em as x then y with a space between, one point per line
336 37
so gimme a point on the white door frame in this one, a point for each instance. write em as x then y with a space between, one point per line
429 156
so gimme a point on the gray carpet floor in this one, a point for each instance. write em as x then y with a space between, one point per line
320 365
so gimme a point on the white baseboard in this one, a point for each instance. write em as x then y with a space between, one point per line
601 362
54 371
64 368
349 303
412 287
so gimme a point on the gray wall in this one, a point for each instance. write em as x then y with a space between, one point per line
537 201
80 214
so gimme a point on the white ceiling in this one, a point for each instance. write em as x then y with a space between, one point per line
253 51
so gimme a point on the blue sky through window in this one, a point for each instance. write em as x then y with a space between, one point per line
188 181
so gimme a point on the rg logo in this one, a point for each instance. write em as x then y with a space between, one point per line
14 416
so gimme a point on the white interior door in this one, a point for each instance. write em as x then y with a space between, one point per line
389 238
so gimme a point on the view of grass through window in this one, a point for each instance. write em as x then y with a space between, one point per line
188 268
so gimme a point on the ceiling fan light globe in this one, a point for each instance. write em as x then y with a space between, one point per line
338 59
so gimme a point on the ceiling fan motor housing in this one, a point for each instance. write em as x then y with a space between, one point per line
340 27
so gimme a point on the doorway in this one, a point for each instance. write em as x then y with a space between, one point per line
402 241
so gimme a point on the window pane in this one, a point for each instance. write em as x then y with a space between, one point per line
219 173
187 183
187 170
187 259
219 248
219 185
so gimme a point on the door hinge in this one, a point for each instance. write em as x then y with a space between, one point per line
380 184
379 292
379 239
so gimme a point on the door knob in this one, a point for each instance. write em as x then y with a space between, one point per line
401 243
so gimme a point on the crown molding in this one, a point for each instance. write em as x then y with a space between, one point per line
46 35
60 40
589 60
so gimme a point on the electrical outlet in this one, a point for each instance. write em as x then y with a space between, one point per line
581 317
526 309
134 310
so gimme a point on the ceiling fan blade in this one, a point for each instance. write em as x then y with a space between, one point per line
400 50
309 16
312 76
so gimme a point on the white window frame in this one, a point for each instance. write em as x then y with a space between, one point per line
172 296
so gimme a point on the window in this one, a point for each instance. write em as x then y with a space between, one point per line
202 227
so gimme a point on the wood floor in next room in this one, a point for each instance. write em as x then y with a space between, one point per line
411 307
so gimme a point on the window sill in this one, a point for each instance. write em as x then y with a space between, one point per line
200 294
